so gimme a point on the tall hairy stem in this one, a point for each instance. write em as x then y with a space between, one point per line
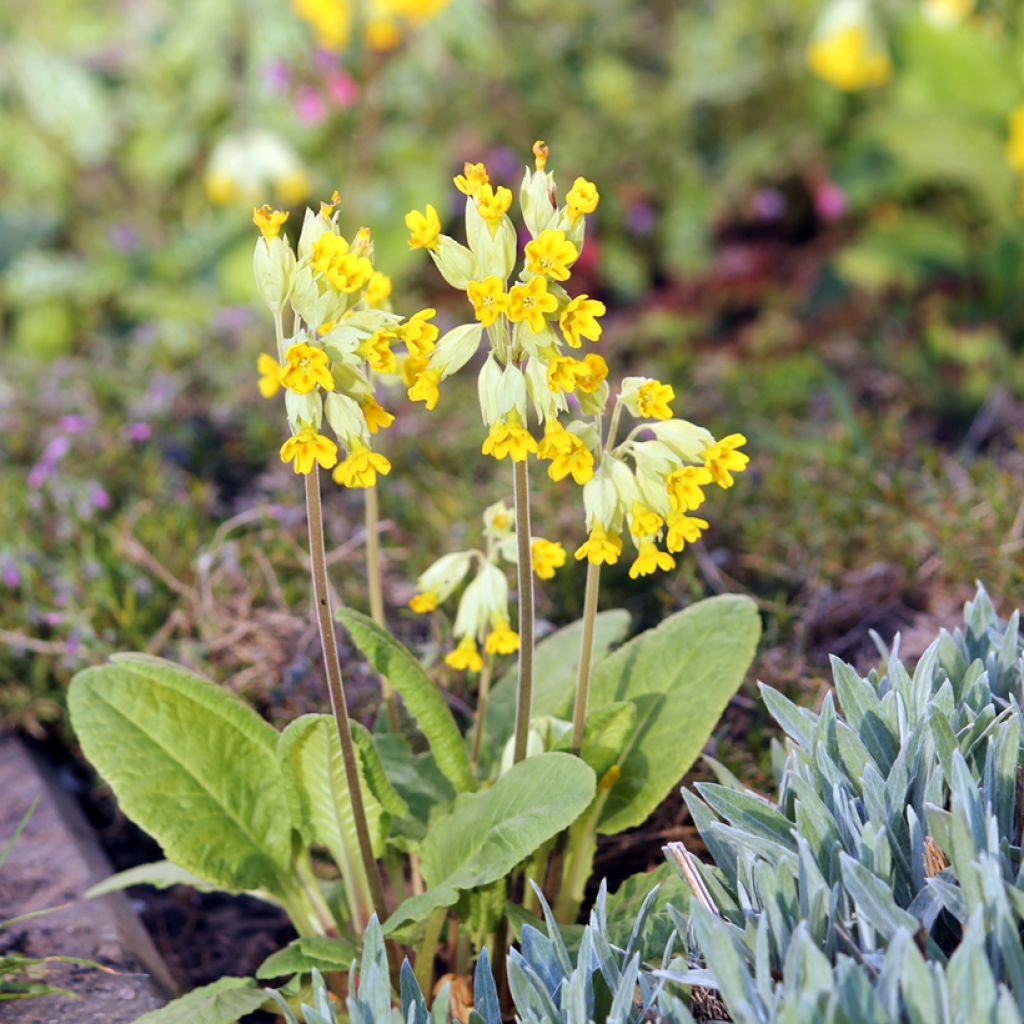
579 710
524 699
483 693
339 707
373 577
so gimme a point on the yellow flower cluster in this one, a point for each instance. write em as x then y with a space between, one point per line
482 618
332 21
849 58
342 330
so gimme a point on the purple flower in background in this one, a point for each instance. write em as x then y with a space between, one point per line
124 237
99 498
309 106
11 576
55 450
342 89
231 318
139 432
277 75
829 201
37 476
640 218
768 204
503 164
72 424
52 618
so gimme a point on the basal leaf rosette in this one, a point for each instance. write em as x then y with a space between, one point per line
340 345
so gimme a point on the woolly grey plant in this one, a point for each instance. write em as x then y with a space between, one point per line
885 882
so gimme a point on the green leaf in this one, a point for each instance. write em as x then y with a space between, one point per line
624 905
555 666
311 952
373 770
314 772
607 734
422 697
681 676
224 1002
191 764
161 874
487 834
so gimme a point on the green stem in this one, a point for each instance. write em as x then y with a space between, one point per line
590 600
524 701
339 707
481 710
427 950
373 577
579 862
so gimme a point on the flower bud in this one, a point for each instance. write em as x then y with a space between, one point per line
303 409
687 440
456 349
273 264
445 574
457 265
346 417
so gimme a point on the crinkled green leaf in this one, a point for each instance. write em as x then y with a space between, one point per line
226 1001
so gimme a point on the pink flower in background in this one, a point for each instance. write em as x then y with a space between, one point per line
309 105
342 89
139 432
829 201
99 498
277 75
72 424
11 576
768 204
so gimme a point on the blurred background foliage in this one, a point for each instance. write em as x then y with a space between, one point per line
810 224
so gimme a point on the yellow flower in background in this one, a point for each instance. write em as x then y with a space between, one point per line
425 387
546 556
361 467
595 371
424 228
378 291
331 20
488 298
551 254
245 167
724 458
644 522
849 59
270 375
683 530
344 269
465 656
527 303
583 198
269 220
419 334
376 350
652 400
509 437
649 560
1015 145
579 320
307 367
685 488
308 447
423 603
502 639
493 204
382 34
471 179
600 548
377 417
946 13
293 187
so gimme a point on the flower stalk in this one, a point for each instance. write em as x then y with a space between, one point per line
590 601
339 706
524 697
374 582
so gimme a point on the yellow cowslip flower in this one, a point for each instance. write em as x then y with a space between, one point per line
344 269
723 458
378 291
643 521
328 208
362 243
471 178
849 60
567 452
423 603
331 21
489 299
293 187
308 447
502 639
465 656
685 485
593 373
425 387
1015 144
529 302
683 530
376 350
509 437
652 400
551 254
382 34
424 228
540 155
361 467
377 417
220 188
546 556
270 371
419 334
269 220
600 548
562 373
307 367
579 320
493 204
583 198
650 559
